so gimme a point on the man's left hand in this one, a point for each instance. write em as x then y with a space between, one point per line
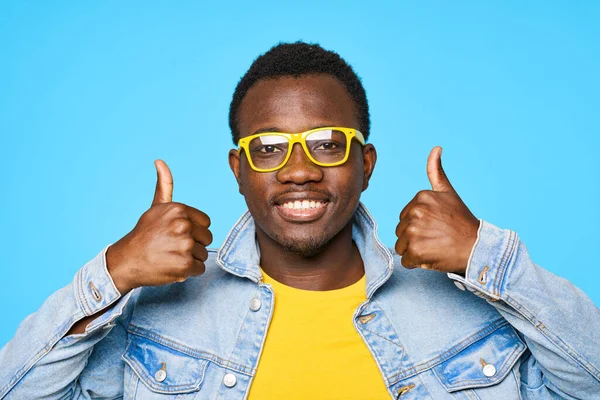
436 230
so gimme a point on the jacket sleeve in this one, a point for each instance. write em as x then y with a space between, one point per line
559 323
40 362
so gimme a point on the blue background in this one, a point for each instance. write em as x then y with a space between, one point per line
91 93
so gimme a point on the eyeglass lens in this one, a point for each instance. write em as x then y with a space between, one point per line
326 146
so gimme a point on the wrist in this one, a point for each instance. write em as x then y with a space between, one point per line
115 264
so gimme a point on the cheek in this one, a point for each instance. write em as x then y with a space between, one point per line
254 187
354 178
348 187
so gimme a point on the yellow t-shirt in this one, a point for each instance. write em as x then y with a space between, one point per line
313 351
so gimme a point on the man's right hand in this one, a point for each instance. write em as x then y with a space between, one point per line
167 245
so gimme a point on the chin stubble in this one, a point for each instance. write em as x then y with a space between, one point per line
305 248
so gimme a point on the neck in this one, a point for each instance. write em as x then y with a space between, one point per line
336 266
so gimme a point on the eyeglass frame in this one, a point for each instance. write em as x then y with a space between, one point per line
300 137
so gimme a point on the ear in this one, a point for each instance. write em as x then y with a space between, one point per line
369 160
234 164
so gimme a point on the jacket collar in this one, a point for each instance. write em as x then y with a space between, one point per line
240 254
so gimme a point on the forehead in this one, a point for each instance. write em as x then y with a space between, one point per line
295 104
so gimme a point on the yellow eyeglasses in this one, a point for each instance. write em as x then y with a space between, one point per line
327 147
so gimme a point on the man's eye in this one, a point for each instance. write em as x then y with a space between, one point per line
268 149
327 146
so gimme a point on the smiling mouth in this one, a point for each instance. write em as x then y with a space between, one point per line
306 210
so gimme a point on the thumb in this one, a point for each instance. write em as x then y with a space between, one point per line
164 183
435 173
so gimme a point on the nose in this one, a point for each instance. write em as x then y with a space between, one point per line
299 169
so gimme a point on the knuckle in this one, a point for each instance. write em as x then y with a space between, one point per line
416 212
181 226
177 208
187 245
148 215
416 251
412 231
424 196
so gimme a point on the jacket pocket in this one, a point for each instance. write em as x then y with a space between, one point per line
484 363
163 369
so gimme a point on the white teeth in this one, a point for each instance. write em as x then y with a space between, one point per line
303 204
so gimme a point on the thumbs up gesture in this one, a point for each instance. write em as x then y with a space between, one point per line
167 245
436 230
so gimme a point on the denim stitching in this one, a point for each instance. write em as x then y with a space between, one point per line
509 361
366 216
517 382
81 294
592 369
21 372
470 260
237 338
460 346
188 350
241 224
504 261
263 340
141 372
132 388
378 357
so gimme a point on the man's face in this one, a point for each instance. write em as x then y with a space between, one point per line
293 105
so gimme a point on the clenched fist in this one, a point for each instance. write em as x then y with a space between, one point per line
436 230
167 245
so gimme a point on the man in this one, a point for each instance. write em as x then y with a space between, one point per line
303 300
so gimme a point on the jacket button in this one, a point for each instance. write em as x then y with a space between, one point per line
489 370
229 380
255 304
160 375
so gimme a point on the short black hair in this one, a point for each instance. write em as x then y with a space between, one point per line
298 59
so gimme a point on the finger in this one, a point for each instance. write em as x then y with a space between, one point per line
201 234
164 183
197 216
199 252
198 268
435 173
402 242
407 208
420 252
401 245
408 262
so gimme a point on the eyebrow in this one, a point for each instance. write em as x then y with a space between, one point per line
275 129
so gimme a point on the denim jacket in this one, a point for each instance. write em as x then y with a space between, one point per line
508 329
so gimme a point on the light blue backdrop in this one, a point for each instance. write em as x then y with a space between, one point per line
92 92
